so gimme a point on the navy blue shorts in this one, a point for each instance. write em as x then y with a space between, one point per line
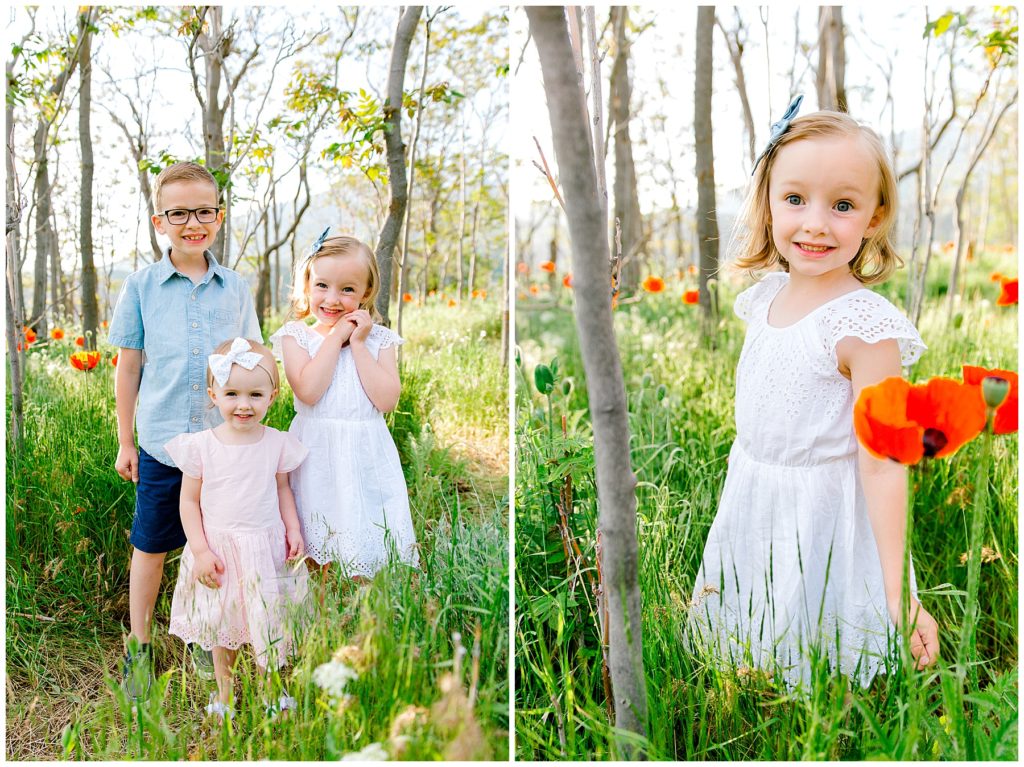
156 527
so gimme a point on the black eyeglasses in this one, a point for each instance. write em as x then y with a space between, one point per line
178 216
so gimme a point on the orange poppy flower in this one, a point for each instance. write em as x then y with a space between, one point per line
483 293
1005 421
431 293
1008 295
522 267
407 297
113 360
85 360
995 277
897 420
452 302
692 269
567 281
653 284
615 300
104 324
1009 248
547 266
534 290
80 341
691 297
19 346
30 336
475 294
57 334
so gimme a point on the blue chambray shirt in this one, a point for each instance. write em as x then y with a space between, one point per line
178 324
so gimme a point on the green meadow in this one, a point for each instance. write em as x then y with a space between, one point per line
430 646
680 399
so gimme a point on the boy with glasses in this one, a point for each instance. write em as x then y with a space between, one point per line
169 318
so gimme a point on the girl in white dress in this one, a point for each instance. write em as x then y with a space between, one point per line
805 555
351 494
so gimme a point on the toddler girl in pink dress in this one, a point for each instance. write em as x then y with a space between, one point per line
235 584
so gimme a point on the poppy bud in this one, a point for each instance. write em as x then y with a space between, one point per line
994 389
544 379
662 391
567 387
646 381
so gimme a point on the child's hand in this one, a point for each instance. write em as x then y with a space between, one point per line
924 638
208 568
127 463
341 330
363 325
293 540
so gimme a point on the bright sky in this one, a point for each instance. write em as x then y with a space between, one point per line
666 48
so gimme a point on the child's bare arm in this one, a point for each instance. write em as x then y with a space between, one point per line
127 379
885 491
379 377
290 517
208 564
308 376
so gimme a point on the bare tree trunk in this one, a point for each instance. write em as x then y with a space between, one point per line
624 192
462 202
707 221
138 145
13 310
590 256
406 254
831 59
735 43
961 239
396 154
90 302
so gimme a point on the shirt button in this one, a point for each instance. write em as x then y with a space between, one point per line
195 387
195 419
195 351
193 296
195 324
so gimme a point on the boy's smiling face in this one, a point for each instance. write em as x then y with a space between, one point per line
190 239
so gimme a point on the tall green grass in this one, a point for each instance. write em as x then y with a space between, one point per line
680 396
432 643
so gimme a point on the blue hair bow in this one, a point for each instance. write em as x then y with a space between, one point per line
319 242
779 128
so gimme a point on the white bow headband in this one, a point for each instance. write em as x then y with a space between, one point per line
240 353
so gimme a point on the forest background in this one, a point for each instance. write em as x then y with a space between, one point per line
684 107
288 110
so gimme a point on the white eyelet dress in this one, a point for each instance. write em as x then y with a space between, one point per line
791 560
350 492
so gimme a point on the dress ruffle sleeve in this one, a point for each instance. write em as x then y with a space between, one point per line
184 451
870 317
294 329
293 453
381 338
750 299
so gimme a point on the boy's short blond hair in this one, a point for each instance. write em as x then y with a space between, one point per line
344 246
269 364
753 245
182 171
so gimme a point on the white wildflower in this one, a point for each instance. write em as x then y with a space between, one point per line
372 753
332 677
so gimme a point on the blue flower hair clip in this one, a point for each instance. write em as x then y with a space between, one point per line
319 242
779 129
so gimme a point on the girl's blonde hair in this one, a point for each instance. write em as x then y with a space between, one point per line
269 364
340 245
752 236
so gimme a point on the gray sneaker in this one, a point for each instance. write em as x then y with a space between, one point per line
137 672
202 663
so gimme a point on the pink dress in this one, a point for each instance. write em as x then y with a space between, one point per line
262 597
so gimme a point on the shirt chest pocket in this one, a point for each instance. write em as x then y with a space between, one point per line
224 318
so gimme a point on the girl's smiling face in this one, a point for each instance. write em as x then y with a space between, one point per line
244 399
823 194
337 286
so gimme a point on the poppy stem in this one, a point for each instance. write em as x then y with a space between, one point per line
967 656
